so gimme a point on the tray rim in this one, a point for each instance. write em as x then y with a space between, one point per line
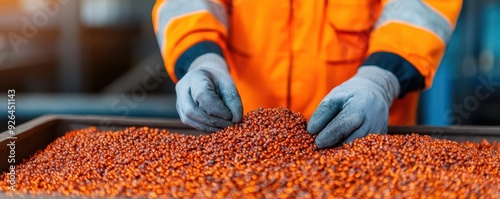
90 119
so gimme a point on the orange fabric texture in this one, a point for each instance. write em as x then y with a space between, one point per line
292 53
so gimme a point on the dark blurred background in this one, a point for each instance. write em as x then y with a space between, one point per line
100 57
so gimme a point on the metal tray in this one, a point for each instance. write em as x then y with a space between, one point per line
38 133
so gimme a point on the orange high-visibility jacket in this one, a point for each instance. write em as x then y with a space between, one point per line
291 53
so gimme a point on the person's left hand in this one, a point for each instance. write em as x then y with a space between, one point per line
355 108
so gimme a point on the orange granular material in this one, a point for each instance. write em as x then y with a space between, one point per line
268 155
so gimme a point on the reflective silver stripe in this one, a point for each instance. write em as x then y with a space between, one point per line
417 13
176 8
219 12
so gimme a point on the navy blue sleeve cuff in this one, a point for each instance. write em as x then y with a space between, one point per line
188 56
408 76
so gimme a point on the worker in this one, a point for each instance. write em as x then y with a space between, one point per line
352 67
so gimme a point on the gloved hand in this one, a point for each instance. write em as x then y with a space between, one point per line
355 108
207 98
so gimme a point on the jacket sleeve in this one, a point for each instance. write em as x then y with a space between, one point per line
186 29
410 37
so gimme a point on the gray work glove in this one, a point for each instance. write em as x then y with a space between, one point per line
207 98
355 108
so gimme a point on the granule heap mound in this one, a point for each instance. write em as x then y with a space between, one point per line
269 155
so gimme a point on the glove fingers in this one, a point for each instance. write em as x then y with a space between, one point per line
359 133
199 126
231 98
205 95
198 119
364 130
384 130
347 121
192 115
324 114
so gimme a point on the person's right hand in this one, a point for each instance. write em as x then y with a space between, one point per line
207 98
